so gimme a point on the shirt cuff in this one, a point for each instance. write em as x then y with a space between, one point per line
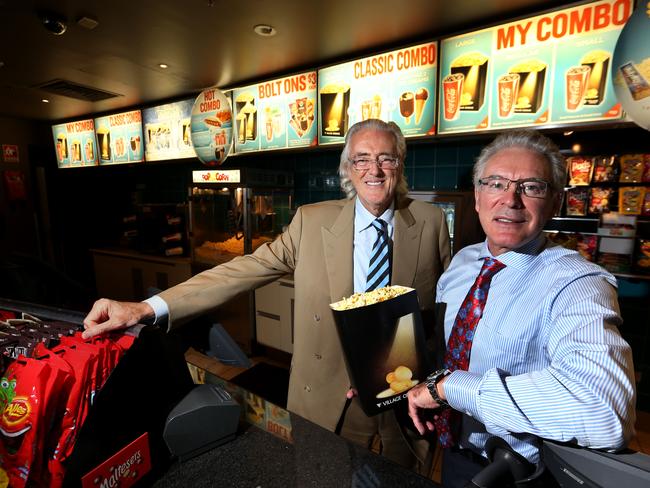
461 390
160 308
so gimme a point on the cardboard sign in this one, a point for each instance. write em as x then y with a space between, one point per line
124 468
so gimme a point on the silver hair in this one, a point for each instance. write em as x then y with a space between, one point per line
526 139
345 166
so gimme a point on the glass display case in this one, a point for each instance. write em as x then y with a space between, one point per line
462 220
233 212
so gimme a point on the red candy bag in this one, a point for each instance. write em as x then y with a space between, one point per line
99 372
30 398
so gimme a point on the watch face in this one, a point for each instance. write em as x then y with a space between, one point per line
432 381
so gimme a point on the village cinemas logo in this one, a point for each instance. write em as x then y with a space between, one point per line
393 399
123 469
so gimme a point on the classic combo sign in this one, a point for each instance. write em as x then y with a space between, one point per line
396 86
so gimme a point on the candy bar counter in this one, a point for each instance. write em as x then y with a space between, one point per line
70 406
313 457
138 425
274 447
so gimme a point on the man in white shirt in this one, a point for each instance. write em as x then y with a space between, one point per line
543 354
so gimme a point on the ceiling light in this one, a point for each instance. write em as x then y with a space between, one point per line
568 132
163 66
576 148
265 30
45 100
56 23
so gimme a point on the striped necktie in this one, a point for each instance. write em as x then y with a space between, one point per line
380 258
460 341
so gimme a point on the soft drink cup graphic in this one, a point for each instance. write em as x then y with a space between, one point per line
508 87
452 87
576 86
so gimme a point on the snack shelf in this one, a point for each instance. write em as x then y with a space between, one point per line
127 413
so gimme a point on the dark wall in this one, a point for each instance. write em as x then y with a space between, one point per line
18 224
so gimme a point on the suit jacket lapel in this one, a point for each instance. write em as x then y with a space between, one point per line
337 247
406 245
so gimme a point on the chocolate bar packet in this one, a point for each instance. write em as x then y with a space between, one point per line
600 200
646 204
631 199
606 169
631 168
646 168
576 201
580 170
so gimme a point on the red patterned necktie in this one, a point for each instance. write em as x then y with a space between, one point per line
459 345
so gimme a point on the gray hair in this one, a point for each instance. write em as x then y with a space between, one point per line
345 166
525 139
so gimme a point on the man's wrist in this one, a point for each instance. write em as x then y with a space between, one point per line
159 307
432 382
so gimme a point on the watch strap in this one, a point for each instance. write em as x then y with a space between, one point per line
432 382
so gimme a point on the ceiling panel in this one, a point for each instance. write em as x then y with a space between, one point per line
206 43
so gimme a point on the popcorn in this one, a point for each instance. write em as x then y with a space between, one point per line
399 381
369 297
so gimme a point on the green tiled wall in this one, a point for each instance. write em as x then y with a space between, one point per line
443 167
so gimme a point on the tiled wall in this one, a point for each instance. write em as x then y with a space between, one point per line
428 166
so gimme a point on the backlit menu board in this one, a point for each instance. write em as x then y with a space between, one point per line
119 138
75 144
548 69
276 114
167 131
398 86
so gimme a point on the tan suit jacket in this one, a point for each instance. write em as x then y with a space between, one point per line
317 249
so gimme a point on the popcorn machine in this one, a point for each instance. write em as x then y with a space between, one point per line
462 220
233 212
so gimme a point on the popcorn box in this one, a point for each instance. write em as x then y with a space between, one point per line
532 74
383 345
473 66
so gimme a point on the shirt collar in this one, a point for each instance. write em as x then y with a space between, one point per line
363 218
518 258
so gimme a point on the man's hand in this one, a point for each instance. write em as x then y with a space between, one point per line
420 399
107 315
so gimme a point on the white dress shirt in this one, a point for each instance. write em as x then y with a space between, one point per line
547 359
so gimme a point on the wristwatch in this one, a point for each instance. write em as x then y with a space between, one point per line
431 382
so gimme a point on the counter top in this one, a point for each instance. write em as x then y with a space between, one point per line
274 447
132 254
317 457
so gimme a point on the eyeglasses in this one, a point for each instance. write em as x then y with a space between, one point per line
531 187
363 163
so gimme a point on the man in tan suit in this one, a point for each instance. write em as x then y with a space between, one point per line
326 247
